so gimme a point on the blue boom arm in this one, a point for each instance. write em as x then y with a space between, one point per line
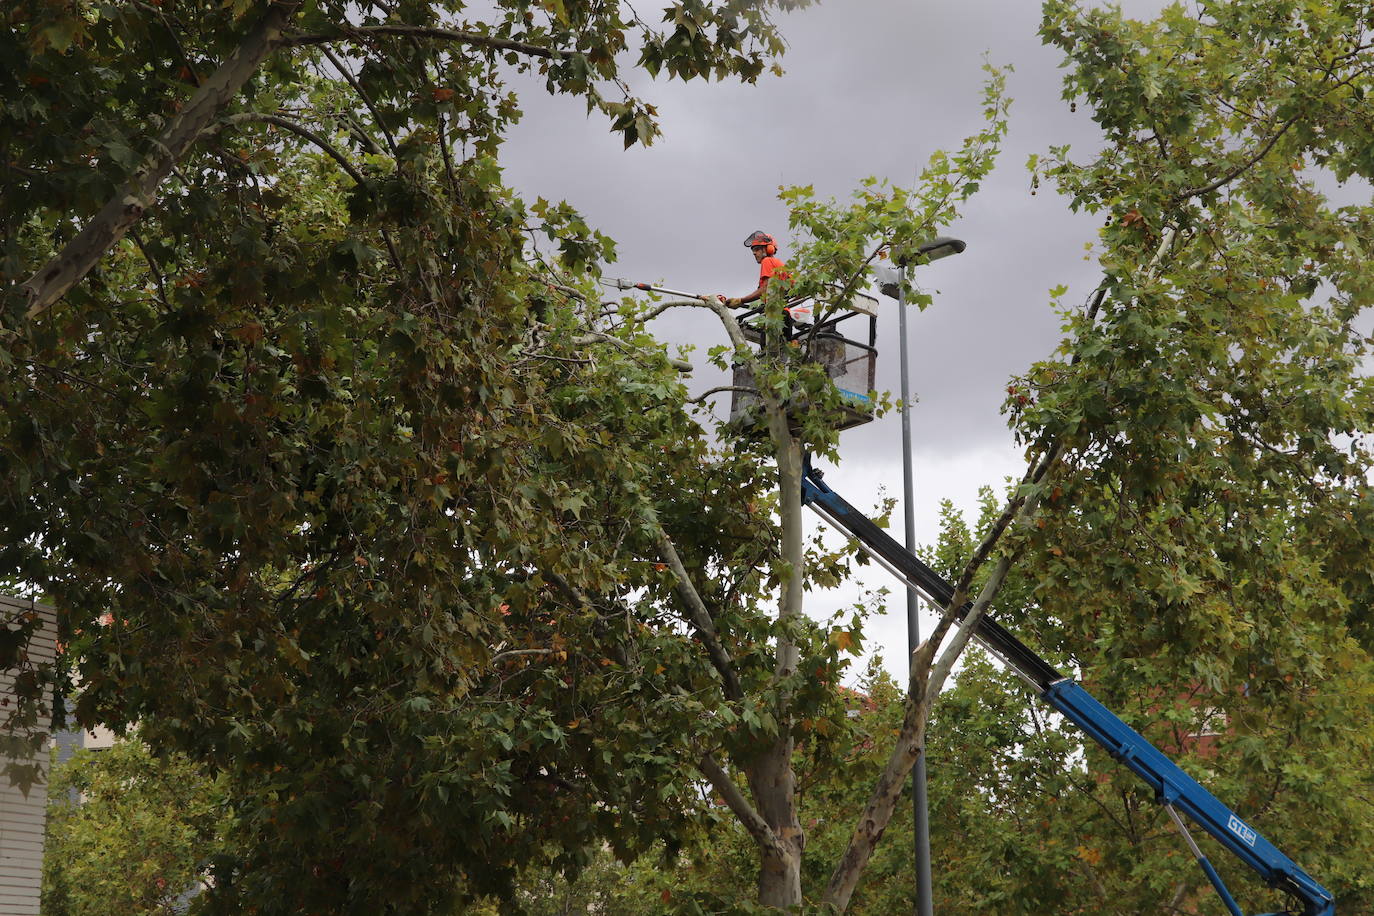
1174 789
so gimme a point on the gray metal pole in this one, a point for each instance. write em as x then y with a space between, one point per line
924 899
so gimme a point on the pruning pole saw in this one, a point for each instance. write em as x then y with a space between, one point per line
649 288
799 309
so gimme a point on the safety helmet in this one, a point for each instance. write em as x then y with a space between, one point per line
759 237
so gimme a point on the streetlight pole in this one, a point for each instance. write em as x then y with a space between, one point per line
930 251
920 810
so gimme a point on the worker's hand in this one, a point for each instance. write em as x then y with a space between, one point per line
733 303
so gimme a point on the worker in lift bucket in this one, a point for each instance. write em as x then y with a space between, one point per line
765 252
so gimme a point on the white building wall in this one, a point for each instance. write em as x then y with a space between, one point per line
22 816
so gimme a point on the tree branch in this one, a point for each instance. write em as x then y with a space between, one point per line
516 653
926 682
751 820
302 131
299 130
1181 892
367 100
773 408
940 671
572 591
1231 175
154 268
701 302
698 614
420 31
82 253
680 365
721 389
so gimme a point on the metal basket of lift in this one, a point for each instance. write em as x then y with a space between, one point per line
841 338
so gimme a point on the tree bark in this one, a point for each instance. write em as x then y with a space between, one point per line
774 785
770 774
75 260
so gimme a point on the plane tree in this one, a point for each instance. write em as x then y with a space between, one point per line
343 478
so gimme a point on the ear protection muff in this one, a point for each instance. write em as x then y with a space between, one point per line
759 237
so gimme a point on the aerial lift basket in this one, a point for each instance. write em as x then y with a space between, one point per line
840 338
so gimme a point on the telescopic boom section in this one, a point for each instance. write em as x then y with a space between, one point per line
1173 788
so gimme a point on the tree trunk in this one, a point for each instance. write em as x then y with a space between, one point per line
776 824
927 680
774 785
876 816
770 774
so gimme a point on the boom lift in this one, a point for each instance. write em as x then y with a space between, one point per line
850 363
1174 789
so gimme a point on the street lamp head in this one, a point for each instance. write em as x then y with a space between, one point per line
942 246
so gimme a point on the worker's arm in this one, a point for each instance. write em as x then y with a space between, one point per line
751 297
767 268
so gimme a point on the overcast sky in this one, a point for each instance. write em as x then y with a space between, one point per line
872 88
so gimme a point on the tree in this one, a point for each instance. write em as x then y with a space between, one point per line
373 490
1027 816
1198 461
1214 504
1040 821
368 486
127 832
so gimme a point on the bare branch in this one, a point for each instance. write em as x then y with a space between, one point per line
751 820
1233 173
653 313
567 290
1175 903
299 130
367 100
680 365
940 671
515 653
153 268
107 227
721 389
698 614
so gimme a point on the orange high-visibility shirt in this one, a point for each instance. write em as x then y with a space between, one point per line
770 266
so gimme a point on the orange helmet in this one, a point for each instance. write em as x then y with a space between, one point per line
759 237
